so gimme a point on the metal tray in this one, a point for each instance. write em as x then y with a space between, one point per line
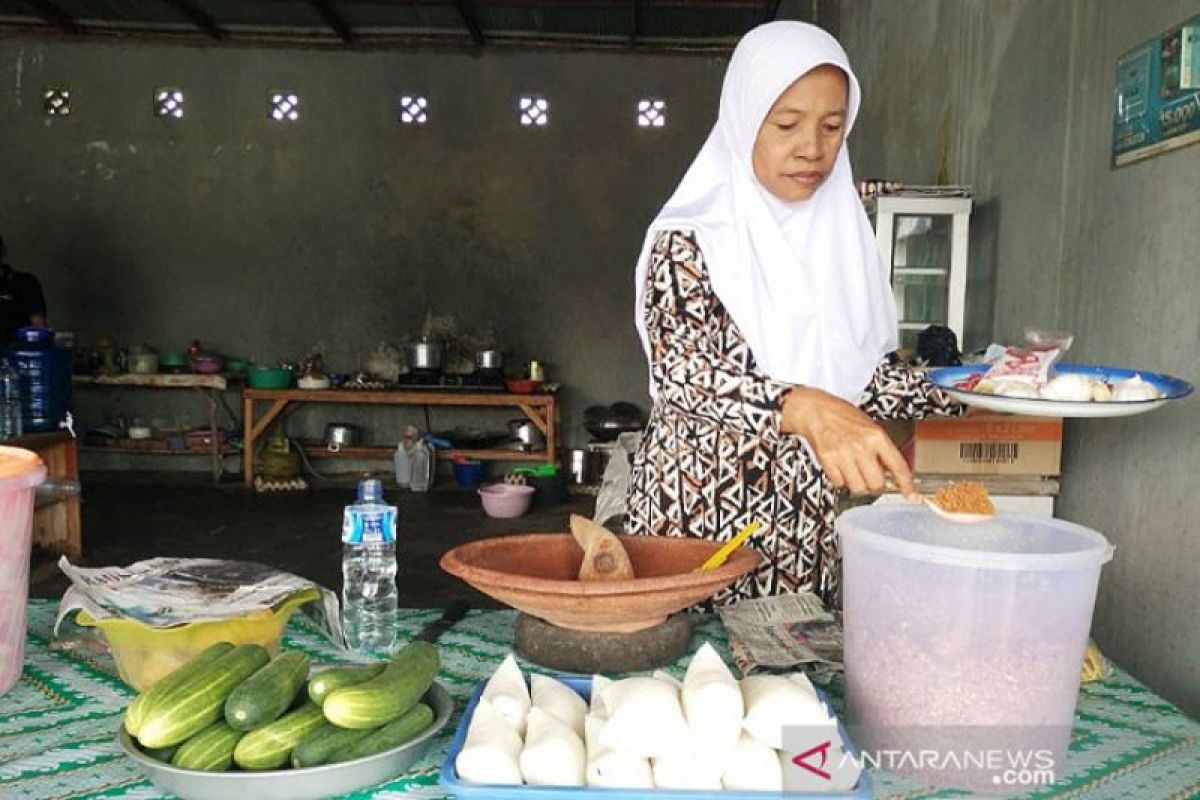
294 784
583 686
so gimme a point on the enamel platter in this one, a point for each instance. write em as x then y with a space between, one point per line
310 783
948 378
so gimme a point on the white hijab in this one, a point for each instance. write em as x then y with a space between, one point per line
803 281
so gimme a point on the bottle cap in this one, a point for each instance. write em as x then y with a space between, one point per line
370 490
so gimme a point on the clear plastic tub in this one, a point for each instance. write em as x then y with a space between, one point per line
20 472
966 641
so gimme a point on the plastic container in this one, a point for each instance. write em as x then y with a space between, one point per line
20 472
506 501
144 653
468 473
269 377
965 638
424 464
10 401
45 379
583 686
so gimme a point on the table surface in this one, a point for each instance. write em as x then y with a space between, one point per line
58 724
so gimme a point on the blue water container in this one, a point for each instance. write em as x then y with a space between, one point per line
45 372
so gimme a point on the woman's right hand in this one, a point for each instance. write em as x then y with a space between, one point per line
851 448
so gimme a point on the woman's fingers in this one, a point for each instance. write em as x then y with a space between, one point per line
833 473
871 468
852 472
901 475
854 452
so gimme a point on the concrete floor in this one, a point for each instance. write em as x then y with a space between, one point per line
131 516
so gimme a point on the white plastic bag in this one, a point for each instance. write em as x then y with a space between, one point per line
611 501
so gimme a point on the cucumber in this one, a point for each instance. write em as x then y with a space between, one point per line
136 713
162 754
400 730
266 694
270 747
320 745
210 750
326 681
385 697
199 700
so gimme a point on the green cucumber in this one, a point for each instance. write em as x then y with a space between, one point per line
136 713
270 747
404 728
326 681
210 750
163 754
268 693
320 745
385 697
199 701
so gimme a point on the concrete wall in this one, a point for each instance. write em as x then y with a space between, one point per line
262 239
1023 92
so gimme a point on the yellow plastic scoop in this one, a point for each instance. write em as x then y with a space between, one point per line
718 558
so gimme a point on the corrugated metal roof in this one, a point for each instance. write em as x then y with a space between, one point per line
694 23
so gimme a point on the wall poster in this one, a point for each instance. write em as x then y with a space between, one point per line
1158 95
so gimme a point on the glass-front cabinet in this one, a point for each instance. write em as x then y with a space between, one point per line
923 242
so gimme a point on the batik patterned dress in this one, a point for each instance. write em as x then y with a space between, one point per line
712 458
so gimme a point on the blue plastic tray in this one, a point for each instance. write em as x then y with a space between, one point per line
479 791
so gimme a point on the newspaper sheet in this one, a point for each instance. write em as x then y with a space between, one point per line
785 633
162 592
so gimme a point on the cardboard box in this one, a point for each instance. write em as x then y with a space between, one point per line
987 444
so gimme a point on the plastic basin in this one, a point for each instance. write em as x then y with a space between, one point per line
965 638
144 653
20 472
468 474
506 501
269 378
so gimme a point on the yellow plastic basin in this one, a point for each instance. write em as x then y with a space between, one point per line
144 653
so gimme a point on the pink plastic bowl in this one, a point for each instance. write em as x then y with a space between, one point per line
505 501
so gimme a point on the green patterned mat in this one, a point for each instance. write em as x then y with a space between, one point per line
57 725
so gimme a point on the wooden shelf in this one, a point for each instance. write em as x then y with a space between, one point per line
207 451
540 409
411 397
320 451
159 380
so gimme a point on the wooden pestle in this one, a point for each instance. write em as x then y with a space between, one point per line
604 557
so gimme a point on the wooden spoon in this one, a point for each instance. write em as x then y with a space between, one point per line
960 517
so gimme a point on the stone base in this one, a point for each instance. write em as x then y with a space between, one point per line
583 652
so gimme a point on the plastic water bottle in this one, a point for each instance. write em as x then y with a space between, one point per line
402 461
10 401
423 464
369 571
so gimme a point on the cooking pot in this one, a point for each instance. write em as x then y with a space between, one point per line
527 434
584 466
488 360
341 434
424 356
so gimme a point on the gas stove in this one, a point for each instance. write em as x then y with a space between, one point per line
478 381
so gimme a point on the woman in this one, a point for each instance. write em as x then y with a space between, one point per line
768 321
